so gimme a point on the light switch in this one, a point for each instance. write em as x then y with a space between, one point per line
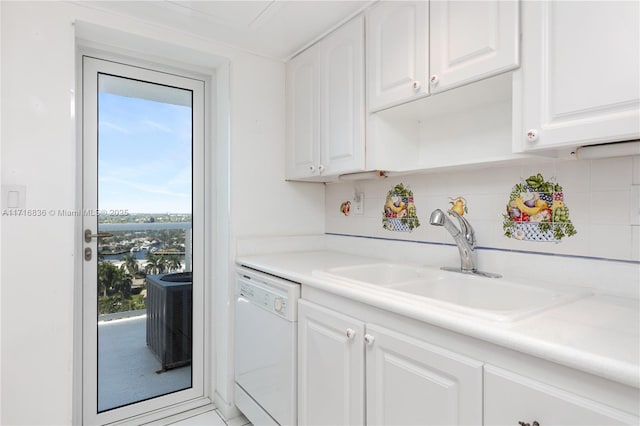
13 199
358 203
13 196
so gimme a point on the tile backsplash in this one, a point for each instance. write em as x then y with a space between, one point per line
599 193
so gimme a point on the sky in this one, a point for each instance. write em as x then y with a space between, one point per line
144 155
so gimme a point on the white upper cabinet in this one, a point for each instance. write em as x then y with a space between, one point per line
397 52
342 86
303 114
326 106
422 47
471 40
580 75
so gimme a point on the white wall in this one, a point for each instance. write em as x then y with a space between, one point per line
39 151
38 253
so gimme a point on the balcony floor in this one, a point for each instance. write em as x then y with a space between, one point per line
127 367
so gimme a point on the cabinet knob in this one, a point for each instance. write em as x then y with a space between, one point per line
535 423
416 85
368 339
321 168
433 79
532 135
351 333
312 168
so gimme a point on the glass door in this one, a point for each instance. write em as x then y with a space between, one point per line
142 240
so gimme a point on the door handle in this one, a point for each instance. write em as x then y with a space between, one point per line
88 235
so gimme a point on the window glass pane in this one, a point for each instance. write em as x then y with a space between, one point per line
145 201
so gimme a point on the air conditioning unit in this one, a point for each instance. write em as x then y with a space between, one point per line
169 318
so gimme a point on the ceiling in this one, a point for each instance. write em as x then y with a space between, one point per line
274 28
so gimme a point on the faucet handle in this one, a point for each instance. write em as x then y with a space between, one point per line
465 228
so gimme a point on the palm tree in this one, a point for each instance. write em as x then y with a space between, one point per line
130 264
113 280
106 277
155 264
122 286
174 262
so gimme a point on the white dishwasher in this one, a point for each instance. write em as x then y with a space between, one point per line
266 338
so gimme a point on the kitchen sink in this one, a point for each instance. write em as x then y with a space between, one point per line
488 298
383 274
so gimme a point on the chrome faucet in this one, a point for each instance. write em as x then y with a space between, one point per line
465 240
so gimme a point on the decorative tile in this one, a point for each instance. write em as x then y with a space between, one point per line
400 213
536 211
345 208
599 206
458 205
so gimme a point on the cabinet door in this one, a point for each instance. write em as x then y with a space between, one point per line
580 68
330 367
397 53
510 398
342 65
472 40
411 382
303 115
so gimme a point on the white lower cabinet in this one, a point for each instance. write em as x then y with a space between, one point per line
411 382
355 372
510 398
330 367
408 381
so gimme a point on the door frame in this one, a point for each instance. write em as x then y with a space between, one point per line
92 67
215 71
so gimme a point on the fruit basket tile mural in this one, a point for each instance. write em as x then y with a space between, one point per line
536 211
400 213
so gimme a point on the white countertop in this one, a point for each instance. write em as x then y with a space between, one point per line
599 334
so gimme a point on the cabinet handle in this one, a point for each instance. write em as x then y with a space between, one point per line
433 79
321 168
368 339
532 135
416 85
535 423
351 333
312 168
